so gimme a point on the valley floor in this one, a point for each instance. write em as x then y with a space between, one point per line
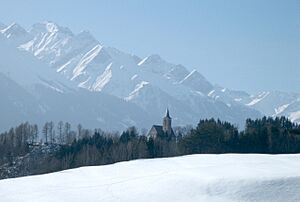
226 177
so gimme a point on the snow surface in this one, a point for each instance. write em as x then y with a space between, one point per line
295 116
51 55
277 103
228 177
259 98
94 67
15 34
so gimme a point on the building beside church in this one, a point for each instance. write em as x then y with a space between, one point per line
163 131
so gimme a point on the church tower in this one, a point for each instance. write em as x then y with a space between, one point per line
167 121
165 130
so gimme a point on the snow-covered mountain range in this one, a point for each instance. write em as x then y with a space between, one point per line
50 73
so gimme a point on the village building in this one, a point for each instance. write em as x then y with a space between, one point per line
163 131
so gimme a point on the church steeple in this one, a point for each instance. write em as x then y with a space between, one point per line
167 113
165 130
167 123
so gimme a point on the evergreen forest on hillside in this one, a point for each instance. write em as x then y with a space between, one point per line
24 152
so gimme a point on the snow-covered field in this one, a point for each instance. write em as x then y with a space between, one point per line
229 177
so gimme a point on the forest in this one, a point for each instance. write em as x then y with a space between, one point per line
26 151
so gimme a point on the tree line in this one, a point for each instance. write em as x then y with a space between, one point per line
83 147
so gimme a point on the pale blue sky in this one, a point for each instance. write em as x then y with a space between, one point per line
250 45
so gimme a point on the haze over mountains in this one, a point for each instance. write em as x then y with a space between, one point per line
50 73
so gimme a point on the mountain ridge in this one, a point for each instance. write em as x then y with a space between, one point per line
151 83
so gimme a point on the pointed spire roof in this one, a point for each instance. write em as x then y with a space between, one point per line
167 113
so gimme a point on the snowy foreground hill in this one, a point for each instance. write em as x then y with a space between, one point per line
228 177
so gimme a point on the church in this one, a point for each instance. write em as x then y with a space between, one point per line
163 131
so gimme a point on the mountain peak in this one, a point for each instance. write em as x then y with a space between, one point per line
14 25
151 85
177 73
193 74
86 36
154 57
151 59
2 26
16 34
51 27
14 28
197 81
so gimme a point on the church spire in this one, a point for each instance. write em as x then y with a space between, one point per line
167 113
167 121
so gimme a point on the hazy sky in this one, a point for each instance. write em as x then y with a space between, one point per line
249 45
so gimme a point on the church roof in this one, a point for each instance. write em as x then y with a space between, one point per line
159 129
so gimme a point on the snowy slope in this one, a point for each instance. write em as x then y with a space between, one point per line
26 70
229 177
152 80
17 105
15 34
92 110
269 103
2 26
32 91
78 61
277 103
